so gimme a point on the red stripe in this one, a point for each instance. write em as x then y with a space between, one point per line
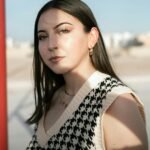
3 102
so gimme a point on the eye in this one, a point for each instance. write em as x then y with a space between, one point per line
63 31
42 37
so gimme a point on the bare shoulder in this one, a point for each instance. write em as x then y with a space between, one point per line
123 125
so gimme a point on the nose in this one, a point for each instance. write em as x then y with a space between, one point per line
52 43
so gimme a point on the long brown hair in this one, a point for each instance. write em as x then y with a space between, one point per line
47 82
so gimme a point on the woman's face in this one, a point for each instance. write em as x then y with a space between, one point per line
63 43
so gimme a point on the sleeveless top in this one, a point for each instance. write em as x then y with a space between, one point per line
80 127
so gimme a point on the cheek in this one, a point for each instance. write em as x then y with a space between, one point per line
43 55
76 43
82 42
42 50
80 48
77 51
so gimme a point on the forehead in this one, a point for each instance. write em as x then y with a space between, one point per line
53 17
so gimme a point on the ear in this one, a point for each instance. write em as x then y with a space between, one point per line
93 37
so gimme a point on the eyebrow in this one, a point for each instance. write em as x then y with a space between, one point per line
62 23
55 27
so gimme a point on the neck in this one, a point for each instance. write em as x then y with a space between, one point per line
75 79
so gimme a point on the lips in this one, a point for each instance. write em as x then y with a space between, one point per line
56 59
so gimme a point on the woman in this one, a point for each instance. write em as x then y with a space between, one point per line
80 101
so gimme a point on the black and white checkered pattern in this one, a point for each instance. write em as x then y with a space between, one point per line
78 131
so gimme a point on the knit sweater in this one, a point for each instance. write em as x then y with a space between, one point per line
80 127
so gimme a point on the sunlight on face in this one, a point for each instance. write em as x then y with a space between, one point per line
63 43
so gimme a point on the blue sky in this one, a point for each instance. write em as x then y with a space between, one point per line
112 16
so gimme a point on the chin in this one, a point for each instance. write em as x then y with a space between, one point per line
61 70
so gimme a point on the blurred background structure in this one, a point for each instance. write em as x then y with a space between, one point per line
126 30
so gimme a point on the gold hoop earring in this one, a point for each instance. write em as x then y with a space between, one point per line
91 51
